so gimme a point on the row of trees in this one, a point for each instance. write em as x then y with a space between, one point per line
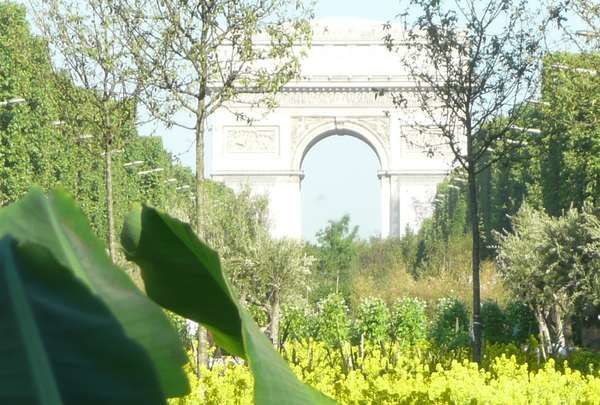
47 140
478 66
169 57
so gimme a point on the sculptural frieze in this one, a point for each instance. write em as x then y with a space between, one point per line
260 140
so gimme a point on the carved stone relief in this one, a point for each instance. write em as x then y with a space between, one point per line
260 140
423 208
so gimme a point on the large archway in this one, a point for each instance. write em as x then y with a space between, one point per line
345 87
350 186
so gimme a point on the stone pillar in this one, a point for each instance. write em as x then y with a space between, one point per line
385 185
395 213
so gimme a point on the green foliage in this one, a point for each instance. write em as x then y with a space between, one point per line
521 321
297 323
32 150
585 361
495 326
372 321
552 264
450 325
50 140
551 171
65 291
408 324
331 320
336 251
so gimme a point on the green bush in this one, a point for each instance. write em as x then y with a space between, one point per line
450 325
331 324
297 323
584 361
495 327
521 321
408 321
372 320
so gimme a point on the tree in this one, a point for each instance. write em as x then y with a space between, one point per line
264 272
466 79
337 249
91 50
552 264
285 267
237 226
197 56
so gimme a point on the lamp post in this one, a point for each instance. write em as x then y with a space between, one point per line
12 101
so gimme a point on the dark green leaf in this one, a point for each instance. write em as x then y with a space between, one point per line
58 226
60 343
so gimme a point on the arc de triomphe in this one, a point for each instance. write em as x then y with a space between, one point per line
335 95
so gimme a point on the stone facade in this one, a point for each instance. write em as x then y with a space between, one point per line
347 80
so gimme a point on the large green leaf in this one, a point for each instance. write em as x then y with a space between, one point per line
59 343
183 274
56 226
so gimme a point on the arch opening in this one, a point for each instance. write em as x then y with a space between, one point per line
341 177
338 132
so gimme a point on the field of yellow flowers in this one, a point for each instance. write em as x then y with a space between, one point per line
391 374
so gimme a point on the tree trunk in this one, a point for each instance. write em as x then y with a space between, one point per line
474 218
202 358
560 329
110 231
275 317
543 332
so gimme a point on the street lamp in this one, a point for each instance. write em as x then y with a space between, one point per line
587 34
134 163
578 70
145 172
12 101
530 131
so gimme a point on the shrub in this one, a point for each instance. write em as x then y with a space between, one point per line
521 321
372 320
408 321
449 328
331 320
584 361
296 323
495 327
